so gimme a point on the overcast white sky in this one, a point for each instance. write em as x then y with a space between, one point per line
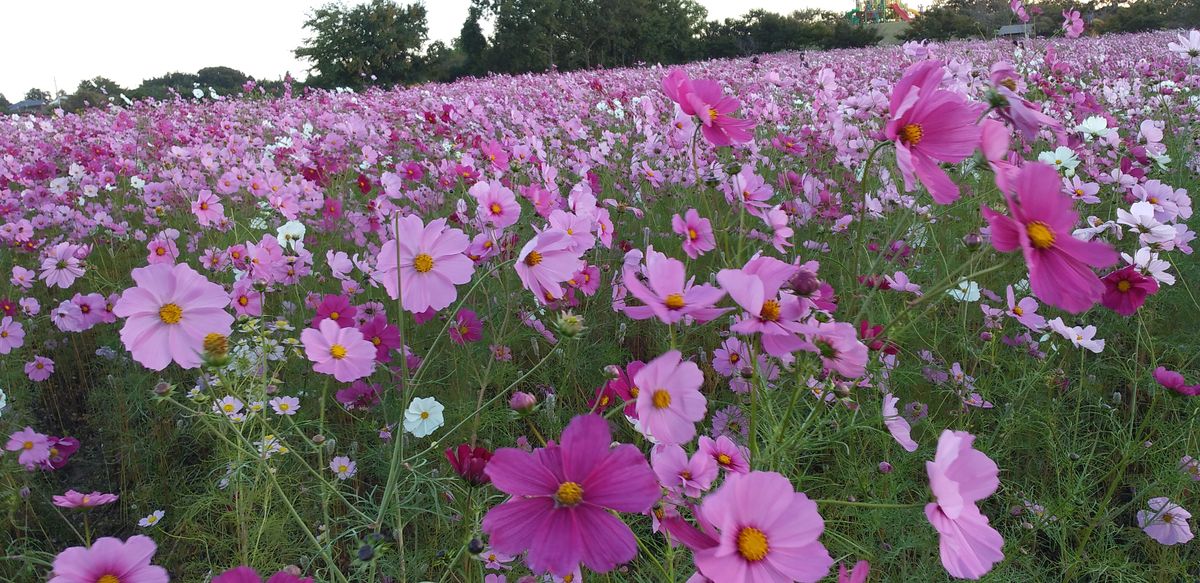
55 45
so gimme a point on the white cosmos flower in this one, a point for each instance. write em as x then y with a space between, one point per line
1062 158
198 93
1148 264
423 416
151 520
1093 127
967 291
290 233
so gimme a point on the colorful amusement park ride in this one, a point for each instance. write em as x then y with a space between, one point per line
880 11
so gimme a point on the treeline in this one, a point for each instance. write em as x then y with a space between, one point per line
384 43
950 19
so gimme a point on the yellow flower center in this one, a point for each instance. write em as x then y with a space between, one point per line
533 258
216 344
342 468
712 114
108 579
692 234
495 208
228 407
633 391
337 351
243 301
733 358
1018 311
204 206
674 301
27 445
170 314
334 315
376 341
911 134
1040 235
752 544
284 406
724 459
569 494
423 263
463 330
424 414
1124 285
769 311
1010 84
160 251
662 399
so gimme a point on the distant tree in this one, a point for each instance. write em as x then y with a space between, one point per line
442 62
163 87
472 43
225 80
4 104
845 35
37 94
376 43
93 92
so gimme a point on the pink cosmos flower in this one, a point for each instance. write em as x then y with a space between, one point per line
341 352
169 313
61 267
749 189
1165 522
930 125
669 402
840 350
697 233
61 450
1072 24
772 313
12 335
668 296
561 497
1170 379
1025 116
73 499
703 98
337 308
1040 226
466 327
1025 311
431 263
730 357
495 204
898 426
1126 289
248 575
109 559
858 574
546 261
39 369
728 455
762 530
680 475
246 300
34 447
208 208
960 476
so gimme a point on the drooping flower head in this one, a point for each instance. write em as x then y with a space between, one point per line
930 125
704 99
1040 225
960 476
561 496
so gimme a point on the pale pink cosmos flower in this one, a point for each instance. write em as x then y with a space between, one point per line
669 401
495 204
839 348
899 282
681 475
109 559
22 277
343 467
667 295
1188 47
12 335
960 476
1025 311
34 447
728 358
285 405
577 226
546 261
39 369
169 314
61 267
770 312
1080 336
749 189
208 208
697 233
431 263
337 351
73 499
1165 522
896 424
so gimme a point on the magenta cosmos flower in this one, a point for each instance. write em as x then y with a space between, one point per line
248 575
1040 226
1169 379
669 401
930 125
1165 522
109 560
466 327
704 99
431 263
670 295
561 497
341 352
546 261
959 477
697 233
761 531
1126 289
169 314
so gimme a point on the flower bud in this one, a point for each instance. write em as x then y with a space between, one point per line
522 402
